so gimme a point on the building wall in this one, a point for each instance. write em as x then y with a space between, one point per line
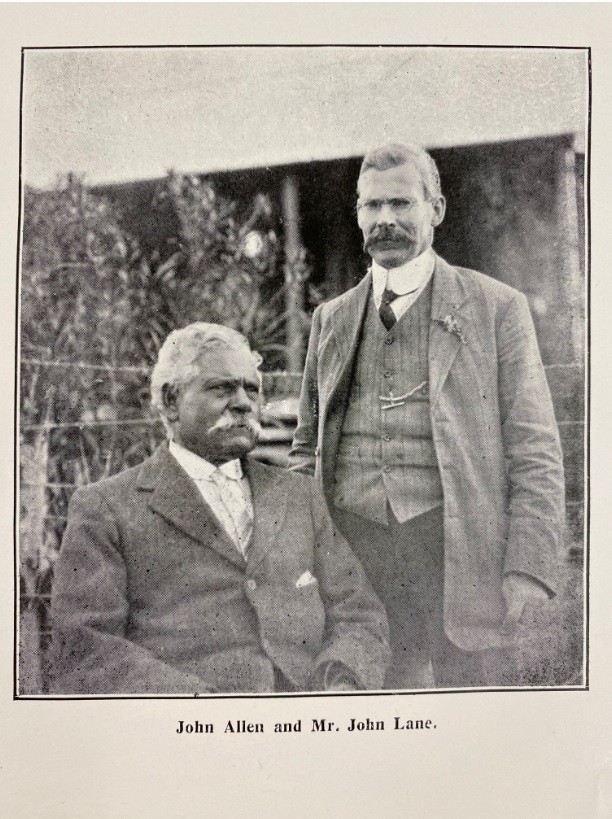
508 215
515 212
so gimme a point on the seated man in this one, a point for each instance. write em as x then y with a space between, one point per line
202 570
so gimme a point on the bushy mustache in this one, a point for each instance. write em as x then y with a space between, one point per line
227 421
386 234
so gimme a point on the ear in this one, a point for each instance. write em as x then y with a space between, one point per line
170 394
439 209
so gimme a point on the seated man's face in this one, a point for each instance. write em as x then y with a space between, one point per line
217 414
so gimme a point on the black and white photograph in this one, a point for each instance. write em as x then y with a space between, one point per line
302 347
305 327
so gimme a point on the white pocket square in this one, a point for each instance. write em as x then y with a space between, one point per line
305 579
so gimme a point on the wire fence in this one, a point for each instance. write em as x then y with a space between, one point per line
59 454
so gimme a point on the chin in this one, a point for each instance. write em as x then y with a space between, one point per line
389 259
240 446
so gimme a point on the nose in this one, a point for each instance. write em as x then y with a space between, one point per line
386 215
241 400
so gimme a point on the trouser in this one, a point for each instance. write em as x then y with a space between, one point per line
405 564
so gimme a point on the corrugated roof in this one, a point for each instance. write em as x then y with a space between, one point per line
125 114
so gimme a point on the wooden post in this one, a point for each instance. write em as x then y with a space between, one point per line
294 268
31 542
569 385
342 268
33 560
569 261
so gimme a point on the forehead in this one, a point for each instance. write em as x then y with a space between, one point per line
228 363
403 180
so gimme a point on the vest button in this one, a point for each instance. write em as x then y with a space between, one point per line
251 584
387 373
389 340
386 437
386 469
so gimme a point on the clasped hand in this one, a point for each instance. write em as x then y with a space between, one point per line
518 590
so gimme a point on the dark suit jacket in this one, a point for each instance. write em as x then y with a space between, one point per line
152 596
494 432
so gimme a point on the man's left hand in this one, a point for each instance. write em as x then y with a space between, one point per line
519 589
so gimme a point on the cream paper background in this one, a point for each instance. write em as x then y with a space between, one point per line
523 754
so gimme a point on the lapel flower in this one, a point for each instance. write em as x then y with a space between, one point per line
451 325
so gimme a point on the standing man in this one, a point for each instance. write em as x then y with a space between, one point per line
204 571
426 415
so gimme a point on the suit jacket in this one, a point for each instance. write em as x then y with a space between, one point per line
494 433
152 596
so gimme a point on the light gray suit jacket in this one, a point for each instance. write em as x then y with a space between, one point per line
494 432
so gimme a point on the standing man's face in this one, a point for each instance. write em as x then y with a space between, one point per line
217 414
396 220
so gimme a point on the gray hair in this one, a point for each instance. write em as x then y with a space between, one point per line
395 154
179 358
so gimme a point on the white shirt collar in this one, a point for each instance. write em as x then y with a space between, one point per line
199 469
408 277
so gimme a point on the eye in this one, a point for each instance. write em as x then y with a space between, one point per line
369 206
217 389
401 204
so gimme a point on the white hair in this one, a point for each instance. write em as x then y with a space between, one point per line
179 358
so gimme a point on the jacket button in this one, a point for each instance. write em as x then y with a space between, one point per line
251 584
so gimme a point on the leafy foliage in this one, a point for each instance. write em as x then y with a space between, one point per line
230 270
94 312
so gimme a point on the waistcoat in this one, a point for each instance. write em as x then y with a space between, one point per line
386 451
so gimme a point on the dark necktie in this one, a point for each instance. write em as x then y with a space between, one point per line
385 311
387 316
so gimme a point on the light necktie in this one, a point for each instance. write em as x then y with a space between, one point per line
237 507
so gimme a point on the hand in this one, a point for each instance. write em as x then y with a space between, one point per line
342 686
335 676
519 589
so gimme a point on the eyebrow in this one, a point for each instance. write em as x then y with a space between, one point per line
376 199
230 382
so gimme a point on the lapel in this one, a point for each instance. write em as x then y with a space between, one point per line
347 321
270 497
449 298
176 497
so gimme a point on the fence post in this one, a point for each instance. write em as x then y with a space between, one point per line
31 541
34 460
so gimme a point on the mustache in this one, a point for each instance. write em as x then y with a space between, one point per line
227 422
386 234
